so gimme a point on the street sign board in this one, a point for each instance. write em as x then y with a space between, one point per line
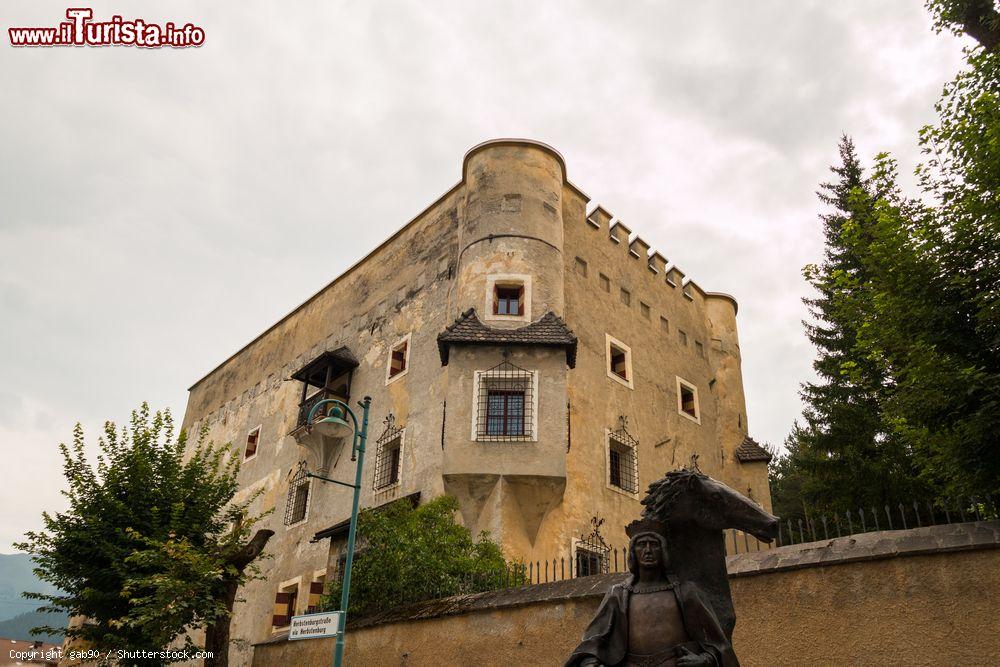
314 626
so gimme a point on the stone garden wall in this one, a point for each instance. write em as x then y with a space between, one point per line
925 596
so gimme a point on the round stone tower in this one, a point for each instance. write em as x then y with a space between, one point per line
510 266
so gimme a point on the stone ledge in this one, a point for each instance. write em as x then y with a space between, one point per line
862 547
869 546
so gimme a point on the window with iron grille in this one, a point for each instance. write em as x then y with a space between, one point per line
623 464
506 403
591 554
388 456
297 503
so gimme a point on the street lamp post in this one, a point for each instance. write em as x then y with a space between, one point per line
335 420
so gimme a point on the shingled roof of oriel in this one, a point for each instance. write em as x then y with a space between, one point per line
547 331
750 451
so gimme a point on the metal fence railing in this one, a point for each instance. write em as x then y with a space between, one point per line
591 555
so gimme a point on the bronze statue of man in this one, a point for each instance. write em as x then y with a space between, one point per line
652 619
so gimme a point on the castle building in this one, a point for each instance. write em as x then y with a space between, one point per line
536 362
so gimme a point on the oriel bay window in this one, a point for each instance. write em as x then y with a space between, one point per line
505 402
326 376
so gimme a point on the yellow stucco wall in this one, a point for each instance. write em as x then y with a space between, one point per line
932 609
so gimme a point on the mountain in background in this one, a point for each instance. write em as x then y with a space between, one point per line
20 626
15 578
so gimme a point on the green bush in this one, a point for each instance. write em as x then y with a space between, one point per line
406 554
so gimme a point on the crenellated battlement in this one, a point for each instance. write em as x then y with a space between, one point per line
660 267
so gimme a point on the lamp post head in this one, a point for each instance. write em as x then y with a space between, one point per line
333 425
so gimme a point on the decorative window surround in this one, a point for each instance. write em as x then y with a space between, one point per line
687 397
610 344
394 361
520 280
253 444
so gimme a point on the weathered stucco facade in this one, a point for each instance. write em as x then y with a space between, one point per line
503 295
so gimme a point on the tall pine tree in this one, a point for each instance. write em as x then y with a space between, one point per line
843 455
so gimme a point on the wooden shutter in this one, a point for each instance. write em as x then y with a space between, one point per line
315 592
282 615
520 301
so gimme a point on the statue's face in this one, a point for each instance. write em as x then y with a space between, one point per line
648 552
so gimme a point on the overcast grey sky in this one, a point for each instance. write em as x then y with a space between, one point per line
160 208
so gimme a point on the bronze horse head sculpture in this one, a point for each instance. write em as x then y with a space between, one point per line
697 509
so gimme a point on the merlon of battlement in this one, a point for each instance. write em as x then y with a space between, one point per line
619 233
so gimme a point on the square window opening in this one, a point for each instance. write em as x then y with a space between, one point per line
688 397
252 440
399 358
581 267
285 601
626 297
664 324
644 308
683 337
508 299
619 362
605 283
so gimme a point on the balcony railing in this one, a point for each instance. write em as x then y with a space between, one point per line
307 405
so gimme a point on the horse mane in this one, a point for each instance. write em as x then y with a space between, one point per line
663 493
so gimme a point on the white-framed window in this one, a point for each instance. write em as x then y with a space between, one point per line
389 459
285 603
619 357
687 400
505 404
398 363
622 458
253 441
508 297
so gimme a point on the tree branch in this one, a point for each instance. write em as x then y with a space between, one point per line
250 550
982 23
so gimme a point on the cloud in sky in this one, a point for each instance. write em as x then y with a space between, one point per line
160 208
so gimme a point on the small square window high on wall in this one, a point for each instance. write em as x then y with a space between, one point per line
508 300
683 337
644 309
605 283
687 400
253 438
626 297
619 358
581 267
399 359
